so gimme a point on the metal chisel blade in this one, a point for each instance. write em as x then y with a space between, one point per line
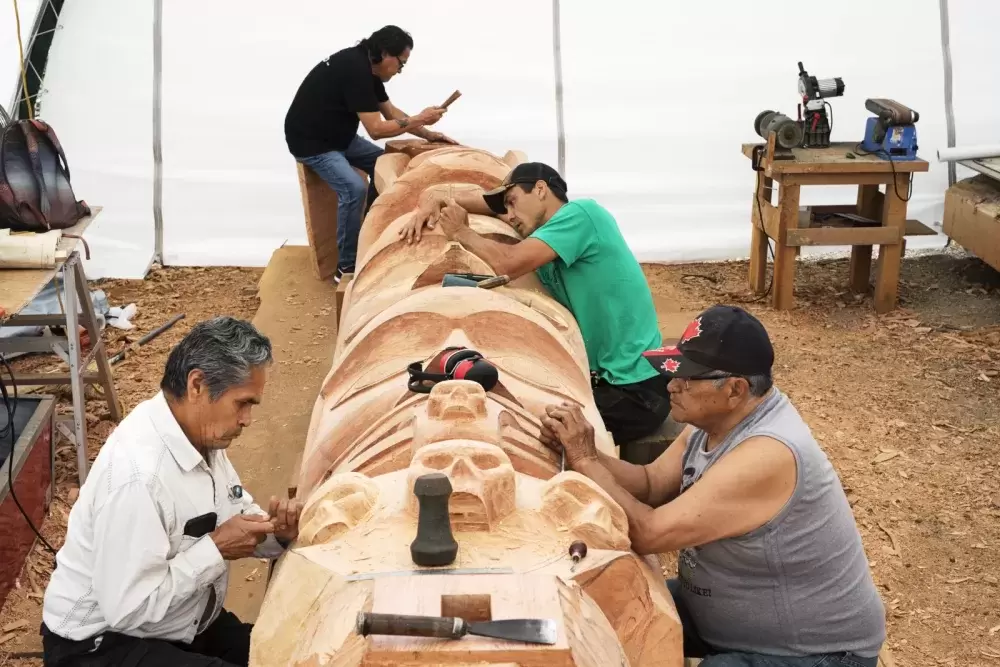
532 630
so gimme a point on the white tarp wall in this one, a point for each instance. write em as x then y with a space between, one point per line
10 68
658 98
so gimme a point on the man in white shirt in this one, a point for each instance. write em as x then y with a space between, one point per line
142 576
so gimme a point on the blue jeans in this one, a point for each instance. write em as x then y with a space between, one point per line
335 168
695 647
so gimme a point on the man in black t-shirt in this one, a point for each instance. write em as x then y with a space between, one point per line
342 91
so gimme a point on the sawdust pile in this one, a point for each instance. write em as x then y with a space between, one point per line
906 405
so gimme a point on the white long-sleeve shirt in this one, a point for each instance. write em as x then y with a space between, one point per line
126 565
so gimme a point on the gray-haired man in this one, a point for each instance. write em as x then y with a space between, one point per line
143 573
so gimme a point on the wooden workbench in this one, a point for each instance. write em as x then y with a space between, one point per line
18 288
791 230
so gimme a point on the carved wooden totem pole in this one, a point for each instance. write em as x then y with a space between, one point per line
438 499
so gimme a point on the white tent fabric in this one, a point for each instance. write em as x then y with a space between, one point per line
657 100
10 68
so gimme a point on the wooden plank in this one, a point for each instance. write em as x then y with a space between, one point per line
18 287
319 204
917 228
833 179
834 160
890 256
852 236
784 255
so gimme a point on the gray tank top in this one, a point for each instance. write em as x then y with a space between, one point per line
799 584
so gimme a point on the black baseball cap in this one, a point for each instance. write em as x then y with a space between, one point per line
526 172
722 338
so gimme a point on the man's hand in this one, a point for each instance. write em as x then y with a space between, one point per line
564 428
240 535
453 218
427 215
285 517
439 138
429 116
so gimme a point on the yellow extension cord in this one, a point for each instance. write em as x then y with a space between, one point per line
24 71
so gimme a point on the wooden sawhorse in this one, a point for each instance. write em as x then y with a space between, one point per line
886 224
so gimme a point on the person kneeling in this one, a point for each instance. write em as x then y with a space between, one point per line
771 567
142 576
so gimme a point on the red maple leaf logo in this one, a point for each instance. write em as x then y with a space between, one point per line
671 365
693 330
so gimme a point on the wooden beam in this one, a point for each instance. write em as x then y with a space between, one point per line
853 236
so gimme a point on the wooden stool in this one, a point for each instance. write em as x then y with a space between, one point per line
886 214
319 202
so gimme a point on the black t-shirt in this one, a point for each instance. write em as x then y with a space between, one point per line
323 115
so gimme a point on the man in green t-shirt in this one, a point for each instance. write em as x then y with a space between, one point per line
578 253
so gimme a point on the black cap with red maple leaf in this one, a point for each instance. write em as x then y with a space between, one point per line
722 338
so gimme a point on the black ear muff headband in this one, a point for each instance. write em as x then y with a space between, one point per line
456 363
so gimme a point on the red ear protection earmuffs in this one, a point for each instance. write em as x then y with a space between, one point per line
455 363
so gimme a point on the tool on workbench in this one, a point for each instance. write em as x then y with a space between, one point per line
531 630
817 123
577 551
890 133
788 131
434 544
455 363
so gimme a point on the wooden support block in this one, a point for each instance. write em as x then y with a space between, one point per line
319 203
341 290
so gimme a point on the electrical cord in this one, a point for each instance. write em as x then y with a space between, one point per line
892 164
11 410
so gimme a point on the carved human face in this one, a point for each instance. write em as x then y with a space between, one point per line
340 504
457 400
482 481
576 504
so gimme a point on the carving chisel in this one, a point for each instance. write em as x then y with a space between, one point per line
531 630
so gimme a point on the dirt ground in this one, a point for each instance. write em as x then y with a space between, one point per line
906 405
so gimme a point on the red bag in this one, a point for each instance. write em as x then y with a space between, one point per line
35 190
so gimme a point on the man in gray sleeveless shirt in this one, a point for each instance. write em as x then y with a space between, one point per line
772 571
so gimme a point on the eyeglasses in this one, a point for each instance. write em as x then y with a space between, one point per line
712 375
402 63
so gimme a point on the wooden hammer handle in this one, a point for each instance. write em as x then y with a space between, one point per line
454 96
442 627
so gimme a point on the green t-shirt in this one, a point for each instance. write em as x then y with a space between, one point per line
599 280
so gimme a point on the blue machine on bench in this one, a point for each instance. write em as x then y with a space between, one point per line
891 133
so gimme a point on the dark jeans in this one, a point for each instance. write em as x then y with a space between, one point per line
225 643
337 169
631 412
695 647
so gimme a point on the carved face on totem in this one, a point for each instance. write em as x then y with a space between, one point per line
576 504
482 481
456 409
341 503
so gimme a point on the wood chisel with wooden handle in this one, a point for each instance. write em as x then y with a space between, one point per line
531 630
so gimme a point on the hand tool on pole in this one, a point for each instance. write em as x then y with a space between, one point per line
531 630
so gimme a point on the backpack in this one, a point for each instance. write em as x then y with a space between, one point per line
35 190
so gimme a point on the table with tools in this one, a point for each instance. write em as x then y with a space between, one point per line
18 287
876 219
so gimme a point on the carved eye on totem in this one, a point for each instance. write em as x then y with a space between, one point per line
577 505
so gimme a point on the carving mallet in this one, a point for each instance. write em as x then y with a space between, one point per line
454 96
434 544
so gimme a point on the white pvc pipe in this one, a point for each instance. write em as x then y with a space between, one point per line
967 153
